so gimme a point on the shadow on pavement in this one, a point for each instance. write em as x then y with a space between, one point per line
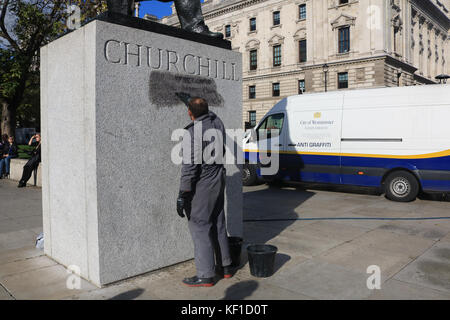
128 295
436 196
334 188
278 203
443 197
240 290
280 260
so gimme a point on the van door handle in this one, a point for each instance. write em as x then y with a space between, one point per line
291 145
279 145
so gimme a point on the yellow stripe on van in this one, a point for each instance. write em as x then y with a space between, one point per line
362 155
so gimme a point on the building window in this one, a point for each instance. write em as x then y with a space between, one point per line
276 89
253 59
302 11
277 56
252 92
343 1
302 50
227 31
252 118
344 40
252 24
301 86
276 18
343 80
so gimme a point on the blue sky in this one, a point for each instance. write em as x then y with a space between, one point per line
159 9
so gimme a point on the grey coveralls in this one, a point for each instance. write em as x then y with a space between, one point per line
207 184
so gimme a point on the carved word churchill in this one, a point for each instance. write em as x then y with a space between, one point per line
121 52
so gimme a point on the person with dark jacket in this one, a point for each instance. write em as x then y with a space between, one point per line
201 195
33 163
3 141
8 152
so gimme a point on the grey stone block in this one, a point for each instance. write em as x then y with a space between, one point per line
109 185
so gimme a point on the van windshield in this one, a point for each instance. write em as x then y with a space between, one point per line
272 122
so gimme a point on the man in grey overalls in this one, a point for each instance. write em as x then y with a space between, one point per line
201 195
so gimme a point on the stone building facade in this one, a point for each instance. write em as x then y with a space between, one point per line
293 46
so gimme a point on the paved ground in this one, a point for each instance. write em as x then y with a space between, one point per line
323 256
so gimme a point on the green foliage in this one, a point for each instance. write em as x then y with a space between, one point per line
37 22
90 8
10 72
23 151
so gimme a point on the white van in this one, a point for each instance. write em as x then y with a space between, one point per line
397 139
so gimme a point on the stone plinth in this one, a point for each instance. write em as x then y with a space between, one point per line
16 171
107 111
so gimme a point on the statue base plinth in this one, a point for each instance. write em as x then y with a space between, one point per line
108 111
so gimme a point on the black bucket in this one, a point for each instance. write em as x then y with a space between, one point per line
261 258
235 244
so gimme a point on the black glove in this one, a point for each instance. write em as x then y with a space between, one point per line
184 204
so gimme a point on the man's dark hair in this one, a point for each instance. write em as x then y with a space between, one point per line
198 106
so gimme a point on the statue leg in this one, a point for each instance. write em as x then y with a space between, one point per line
191 17
121 6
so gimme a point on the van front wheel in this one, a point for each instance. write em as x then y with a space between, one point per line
249 176
401 186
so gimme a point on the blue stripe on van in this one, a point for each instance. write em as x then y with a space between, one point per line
338 169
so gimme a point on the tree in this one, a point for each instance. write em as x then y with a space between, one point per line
37 22
90 8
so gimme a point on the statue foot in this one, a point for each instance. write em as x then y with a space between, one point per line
203 29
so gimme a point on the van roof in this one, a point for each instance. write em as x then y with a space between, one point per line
429 94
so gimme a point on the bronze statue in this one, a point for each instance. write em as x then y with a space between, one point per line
189 13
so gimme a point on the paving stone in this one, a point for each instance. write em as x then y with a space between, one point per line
11 255
17 239
431 270
317 259
29 222
358 259
304 244
416 228
337 208
446 238
357 220
412 246
321 280
21 266
330 229
398 290
122 291
385 212
258 290
44 283
4 295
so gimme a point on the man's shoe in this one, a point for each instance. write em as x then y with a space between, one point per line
21 184
228 272
198 282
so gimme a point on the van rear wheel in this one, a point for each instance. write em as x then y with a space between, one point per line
249 176
401 186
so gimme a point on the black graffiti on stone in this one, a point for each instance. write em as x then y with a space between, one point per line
164 85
